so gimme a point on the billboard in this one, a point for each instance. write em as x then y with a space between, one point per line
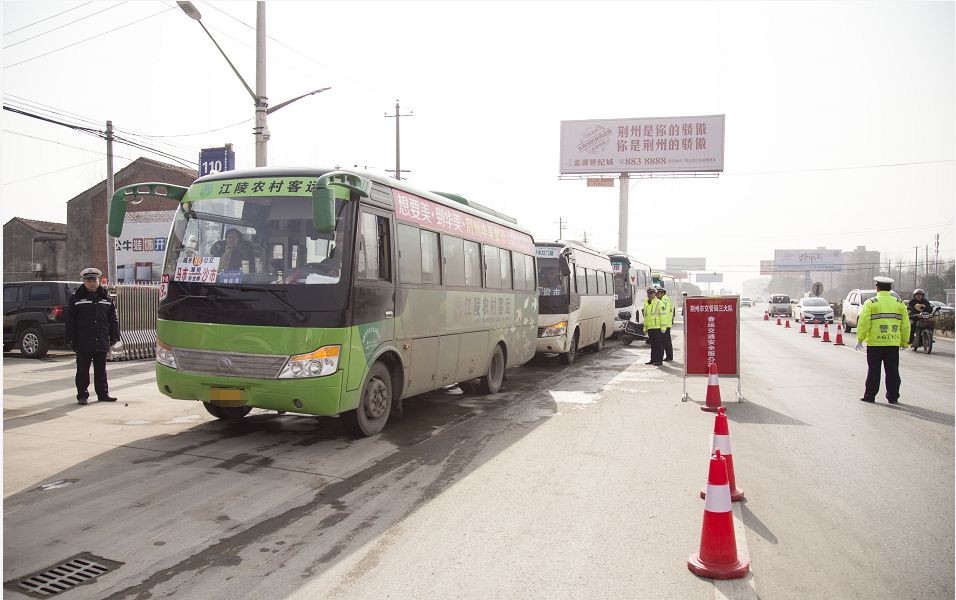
709 278
818 259
687 264
766 267
653 145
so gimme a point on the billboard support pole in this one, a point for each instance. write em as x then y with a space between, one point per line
622 214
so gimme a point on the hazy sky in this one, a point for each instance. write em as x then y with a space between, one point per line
839 116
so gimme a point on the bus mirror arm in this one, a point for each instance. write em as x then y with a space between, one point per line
323 198
134 194
564 265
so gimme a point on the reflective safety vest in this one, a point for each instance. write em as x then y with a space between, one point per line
883 321
667 312
652 314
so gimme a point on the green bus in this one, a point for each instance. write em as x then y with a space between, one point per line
329 292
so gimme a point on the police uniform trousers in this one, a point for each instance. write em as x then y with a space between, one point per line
657 344
668 348
887 357
83 360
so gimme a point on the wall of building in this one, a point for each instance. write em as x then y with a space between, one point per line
24 247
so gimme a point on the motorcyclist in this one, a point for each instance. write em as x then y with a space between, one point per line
916 305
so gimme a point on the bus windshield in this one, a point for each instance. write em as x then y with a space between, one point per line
622 289
552 287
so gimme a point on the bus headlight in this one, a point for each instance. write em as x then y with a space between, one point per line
165 355
554 330
319 363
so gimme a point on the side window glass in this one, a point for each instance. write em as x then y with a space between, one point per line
492 267
472 264
609 283
11 295
431 267
600 283
374 257
505 268
454 256
39 293
592 282
409 254
518 270
530 273
582 282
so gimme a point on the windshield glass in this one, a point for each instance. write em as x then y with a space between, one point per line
550 280
815 302
622 289
253 241
780 299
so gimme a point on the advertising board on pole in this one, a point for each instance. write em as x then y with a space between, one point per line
712 336
818 259
686 264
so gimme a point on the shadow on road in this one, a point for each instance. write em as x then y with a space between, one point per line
755 524
924 414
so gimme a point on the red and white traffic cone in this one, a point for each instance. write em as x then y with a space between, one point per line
712 402
720 440
826 333
766 315
778 321
803 326
787 324
717 558
816 329
839 336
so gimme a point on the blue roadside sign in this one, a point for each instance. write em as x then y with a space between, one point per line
216 160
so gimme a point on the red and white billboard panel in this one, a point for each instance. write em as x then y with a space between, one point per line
712 335
654 145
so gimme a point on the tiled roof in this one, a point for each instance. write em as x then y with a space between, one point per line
43 226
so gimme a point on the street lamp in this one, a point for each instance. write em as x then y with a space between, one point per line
259 97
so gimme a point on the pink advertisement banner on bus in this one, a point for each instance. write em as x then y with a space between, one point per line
415 209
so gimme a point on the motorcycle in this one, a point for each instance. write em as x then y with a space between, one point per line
632 331
925 327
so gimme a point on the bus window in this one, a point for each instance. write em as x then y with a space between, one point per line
592 282
472 264
582 279
452 249
492 267
529 273
505 268
608 284
518 271
431 269
409 255
373 254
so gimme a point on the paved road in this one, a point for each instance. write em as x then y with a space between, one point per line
576 482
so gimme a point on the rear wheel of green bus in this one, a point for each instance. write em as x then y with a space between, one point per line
491 383
226 413
375 404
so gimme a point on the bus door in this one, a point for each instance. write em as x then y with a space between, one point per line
373 298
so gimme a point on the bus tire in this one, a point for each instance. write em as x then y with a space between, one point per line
226 413
375 404
599 345
626 340
568 357
491 383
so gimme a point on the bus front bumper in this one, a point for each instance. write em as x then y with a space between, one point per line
558 343
312 395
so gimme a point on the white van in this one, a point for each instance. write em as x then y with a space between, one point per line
575 298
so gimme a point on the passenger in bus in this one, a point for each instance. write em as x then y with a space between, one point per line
235 253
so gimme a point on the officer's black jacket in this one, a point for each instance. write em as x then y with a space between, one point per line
911 306
91 323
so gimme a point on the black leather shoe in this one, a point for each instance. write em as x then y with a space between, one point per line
81 401
106 399
896 401
657 364
668 360
650 362
865 399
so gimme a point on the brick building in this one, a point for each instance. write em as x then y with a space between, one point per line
34 250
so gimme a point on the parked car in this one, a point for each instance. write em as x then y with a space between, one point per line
851 306
34 315
780 305
813 310
944 309
745 302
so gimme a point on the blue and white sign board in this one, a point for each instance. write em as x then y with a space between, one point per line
216 160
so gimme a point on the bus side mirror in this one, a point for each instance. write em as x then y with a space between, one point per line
564 265
117 215
323 210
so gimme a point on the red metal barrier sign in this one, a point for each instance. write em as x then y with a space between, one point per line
712 334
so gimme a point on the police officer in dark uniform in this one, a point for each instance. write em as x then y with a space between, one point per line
91 328
884 326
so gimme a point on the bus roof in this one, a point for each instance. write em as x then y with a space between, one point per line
574 244
444 198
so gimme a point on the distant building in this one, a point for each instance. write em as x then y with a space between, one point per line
860 266
34 250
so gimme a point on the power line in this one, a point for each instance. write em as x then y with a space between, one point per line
902 164
65 25
53 141
57 171
197 133
47 18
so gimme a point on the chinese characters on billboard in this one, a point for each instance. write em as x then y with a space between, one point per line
711 335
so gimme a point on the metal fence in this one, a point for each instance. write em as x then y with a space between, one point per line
136 307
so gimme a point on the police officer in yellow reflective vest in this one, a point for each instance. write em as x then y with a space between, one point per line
652 325
885 327
667 321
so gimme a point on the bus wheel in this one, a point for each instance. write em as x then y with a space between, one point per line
626 340
375 404
569 356
491 383
599 345
226 413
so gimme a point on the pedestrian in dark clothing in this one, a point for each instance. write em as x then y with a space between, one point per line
91 328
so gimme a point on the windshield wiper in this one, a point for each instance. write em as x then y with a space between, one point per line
299 315
210 298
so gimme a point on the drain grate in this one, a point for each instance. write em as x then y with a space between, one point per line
82 568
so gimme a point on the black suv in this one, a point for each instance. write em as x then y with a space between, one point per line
34 315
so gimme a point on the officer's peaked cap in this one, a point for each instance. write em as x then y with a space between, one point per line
90 273
882 279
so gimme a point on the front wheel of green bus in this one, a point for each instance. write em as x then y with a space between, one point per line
227 413
375 404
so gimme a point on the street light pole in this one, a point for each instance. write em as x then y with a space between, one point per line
259 97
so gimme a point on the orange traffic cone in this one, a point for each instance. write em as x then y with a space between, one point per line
803 326
816 330
778 320
826 334
720 440
717 558
787 324
766 315
713 390
839 336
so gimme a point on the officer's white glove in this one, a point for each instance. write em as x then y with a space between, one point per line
859 346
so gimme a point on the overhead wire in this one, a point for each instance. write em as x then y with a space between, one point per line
58 171
46 18
65 25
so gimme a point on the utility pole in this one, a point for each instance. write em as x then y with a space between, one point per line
899 265
398 147
926 259
561 222
110 246
622 213
916 267
936 261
